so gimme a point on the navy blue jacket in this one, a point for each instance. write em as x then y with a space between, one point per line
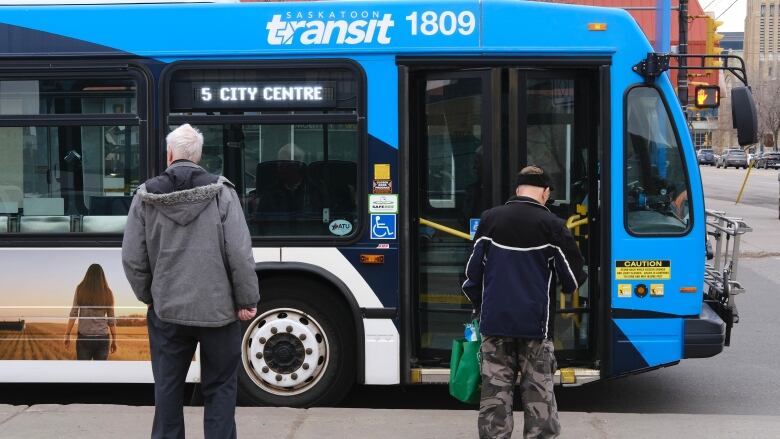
520 250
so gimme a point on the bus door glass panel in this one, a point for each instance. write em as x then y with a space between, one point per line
557 141
453 189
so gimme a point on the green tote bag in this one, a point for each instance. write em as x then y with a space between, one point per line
465 380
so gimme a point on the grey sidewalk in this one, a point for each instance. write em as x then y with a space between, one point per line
80 421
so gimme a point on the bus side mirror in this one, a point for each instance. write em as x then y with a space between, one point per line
743 116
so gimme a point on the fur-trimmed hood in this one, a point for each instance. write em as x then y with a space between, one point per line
185 205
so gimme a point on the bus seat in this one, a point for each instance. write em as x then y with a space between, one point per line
4 221
105 205
337 180
270 178
10 193
44 224
44 206
103 224
268 173
9 207
271 209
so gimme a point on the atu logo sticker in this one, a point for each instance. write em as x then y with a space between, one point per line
340 227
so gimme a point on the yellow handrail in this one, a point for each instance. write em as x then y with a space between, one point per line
572 222
445 229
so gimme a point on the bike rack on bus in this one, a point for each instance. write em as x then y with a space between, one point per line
720 274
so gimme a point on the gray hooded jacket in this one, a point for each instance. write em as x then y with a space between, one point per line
188 252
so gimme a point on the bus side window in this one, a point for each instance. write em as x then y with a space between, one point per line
656 184
61 178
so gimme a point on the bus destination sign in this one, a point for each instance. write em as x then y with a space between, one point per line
263 95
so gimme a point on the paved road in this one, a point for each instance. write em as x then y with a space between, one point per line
759 205
743 380
724 184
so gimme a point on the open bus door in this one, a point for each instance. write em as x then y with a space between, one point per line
470 132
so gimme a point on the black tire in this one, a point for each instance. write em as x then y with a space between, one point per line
323 309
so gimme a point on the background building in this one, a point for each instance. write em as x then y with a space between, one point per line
702 38
762 56
762 38
733 42
726 136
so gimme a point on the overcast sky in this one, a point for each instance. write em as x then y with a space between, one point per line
734 19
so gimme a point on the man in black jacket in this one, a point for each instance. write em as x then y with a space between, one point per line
520 249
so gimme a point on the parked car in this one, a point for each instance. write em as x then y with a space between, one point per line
706 157
769 160
733 157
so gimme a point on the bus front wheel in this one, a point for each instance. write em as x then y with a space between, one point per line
298 351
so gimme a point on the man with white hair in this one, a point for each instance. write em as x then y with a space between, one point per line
187 254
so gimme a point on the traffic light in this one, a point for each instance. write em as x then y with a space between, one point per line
707 96
712 43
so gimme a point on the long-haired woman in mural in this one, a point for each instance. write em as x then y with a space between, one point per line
93 306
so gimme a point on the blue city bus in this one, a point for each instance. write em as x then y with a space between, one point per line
364 139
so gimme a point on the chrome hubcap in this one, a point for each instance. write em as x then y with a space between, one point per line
285 351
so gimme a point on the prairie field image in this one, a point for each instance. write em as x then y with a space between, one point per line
45 341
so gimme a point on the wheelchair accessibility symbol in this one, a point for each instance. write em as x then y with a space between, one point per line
383 226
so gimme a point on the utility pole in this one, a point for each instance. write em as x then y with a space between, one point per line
682 49
663 25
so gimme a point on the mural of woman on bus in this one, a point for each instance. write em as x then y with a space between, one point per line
93 307
78 306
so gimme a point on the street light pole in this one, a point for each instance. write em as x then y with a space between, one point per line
663 25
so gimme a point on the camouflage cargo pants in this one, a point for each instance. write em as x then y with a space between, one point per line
502 359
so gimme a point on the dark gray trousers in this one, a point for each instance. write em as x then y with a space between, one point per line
92 347
172 348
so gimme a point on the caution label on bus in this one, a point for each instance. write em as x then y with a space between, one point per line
643 269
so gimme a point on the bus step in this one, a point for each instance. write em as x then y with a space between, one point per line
572 376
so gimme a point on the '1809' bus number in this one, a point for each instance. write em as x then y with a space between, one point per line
447 23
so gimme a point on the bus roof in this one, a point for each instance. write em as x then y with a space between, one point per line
489 27
102 2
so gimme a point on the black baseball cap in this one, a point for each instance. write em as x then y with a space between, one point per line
534 176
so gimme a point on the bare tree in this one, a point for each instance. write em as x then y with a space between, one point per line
767 98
